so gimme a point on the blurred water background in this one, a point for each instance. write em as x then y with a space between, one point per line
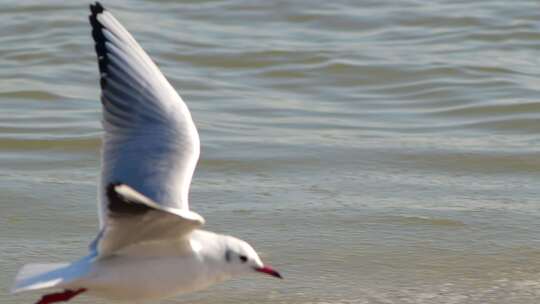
374 151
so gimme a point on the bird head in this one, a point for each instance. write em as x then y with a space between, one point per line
241 258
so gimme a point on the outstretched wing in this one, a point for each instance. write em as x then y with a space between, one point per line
134 218
150 140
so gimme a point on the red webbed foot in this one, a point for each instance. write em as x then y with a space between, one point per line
66 295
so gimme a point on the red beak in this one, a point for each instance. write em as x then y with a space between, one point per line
269 271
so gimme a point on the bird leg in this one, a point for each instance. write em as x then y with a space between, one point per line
66 295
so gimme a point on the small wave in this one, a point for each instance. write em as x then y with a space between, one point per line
490 110
481 162
31 94
421 220
252 60
519 125
71 144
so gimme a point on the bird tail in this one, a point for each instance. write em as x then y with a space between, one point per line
41 276
38 276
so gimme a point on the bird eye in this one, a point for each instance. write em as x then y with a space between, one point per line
243 258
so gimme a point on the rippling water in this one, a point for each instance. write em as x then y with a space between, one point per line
374 151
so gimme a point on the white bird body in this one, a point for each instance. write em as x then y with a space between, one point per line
162 269
149 245
149 270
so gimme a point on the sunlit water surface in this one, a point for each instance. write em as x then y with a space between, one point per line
373 151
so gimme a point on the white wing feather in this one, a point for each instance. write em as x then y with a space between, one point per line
133 218
150 140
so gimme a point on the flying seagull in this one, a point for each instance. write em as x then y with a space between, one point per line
149 245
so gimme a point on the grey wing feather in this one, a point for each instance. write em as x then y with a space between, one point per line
150 140
134 218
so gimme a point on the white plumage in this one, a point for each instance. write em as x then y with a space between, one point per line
150 141
149 245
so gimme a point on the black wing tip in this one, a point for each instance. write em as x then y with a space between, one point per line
112 195
96 8
111 187
118 205
99 40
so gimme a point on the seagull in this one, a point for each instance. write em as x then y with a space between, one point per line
150 245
